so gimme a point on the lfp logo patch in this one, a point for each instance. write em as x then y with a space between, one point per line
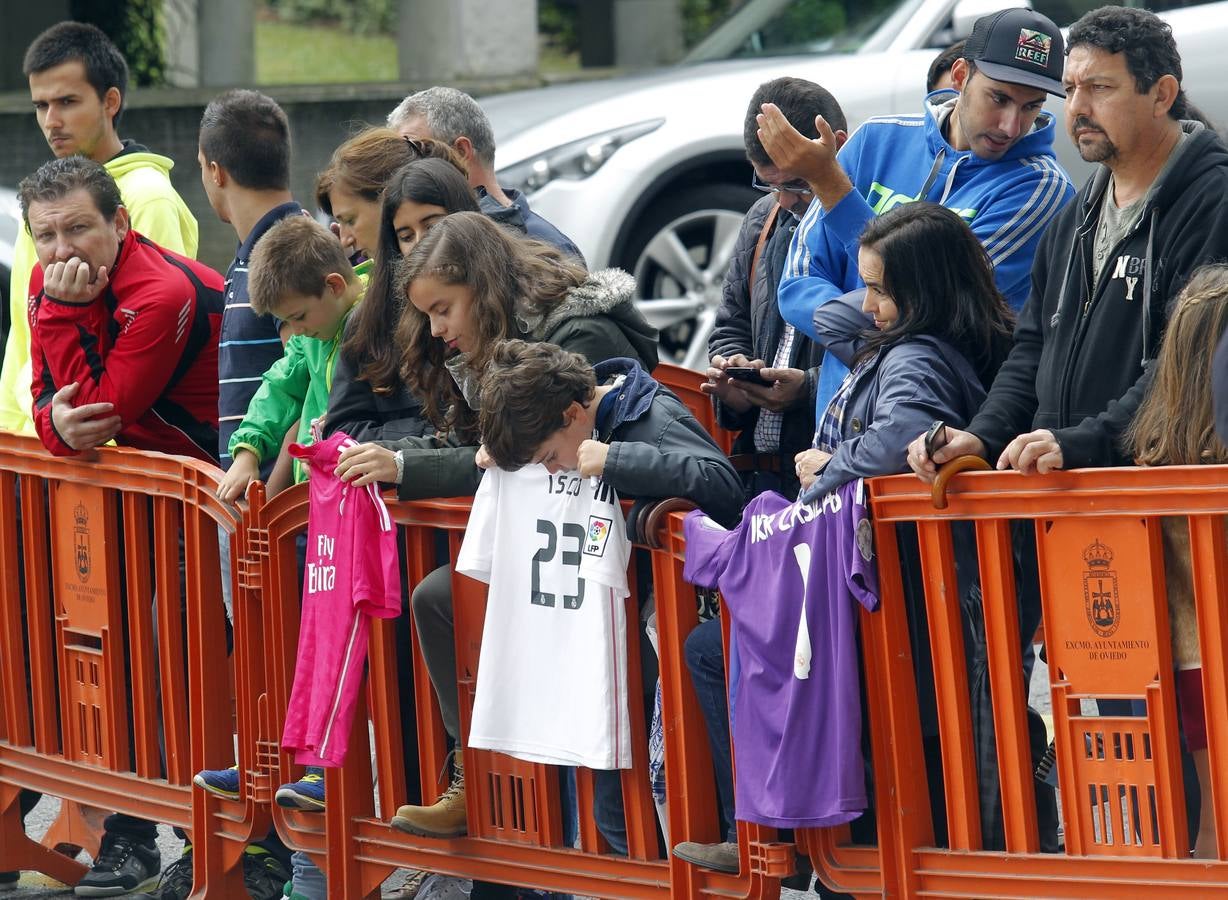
1034 47
598 534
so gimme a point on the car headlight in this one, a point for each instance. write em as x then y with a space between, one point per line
576 160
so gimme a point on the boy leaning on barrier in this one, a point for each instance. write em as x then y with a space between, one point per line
299 274
542 404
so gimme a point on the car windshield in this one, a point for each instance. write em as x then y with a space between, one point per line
785 27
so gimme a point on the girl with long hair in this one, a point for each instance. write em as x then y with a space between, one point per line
369 400
1175 426
931 331
471 283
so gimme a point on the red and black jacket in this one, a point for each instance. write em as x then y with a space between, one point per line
147 345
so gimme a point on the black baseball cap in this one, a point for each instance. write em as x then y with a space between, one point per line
1019 46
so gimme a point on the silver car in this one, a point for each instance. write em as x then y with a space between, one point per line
648 172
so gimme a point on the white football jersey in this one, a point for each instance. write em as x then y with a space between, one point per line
552 675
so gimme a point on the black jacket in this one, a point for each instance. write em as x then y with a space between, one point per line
749 322
659 450
598 320
1081 361
365 415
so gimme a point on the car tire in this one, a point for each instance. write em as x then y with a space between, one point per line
678 253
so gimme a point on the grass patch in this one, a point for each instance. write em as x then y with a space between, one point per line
287 53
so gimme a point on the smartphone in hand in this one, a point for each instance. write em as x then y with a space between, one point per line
748 373
936 438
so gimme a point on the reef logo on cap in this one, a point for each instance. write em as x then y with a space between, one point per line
1033 47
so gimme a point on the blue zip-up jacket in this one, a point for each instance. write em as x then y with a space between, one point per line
898 159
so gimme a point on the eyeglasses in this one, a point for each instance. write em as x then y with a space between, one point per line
793 187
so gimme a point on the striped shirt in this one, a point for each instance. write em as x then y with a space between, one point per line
249 343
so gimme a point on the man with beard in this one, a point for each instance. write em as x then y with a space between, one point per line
1104 276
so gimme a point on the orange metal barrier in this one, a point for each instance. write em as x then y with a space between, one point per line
1101 568
90 552
515 816
685 383
115 685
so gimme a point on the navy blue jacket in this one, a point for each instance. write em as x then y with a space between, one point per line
913 382
659 450
520 217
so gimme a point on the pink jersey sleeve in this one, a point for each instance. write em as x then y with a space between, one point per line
376 574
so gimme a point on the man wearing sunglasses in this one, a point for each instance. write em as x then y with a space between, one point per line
986 153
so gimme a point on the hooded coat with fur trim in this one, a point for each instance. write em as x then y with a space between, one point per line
598 320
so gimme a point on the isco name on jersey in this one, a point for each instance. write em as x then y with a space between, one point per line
551 684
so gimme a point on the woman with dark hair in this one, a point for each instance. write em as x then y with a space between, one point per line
421 194
931 331
369 400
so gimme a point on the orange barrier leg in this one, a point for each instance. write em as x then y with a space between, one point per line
17 851
77 827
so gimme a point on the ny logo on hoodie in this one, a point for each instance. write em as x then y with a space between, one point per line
1129 268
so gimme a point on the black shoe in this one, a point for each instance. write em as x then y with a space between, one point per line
8 881
123 866
264 876
176 883
800 880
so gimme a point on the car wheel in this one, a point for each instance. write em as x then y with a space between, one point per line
678 254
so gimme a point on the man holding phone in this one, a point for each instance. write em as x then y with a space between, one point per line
762 372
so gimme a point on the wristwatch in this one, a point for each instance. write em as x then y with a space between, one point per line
399 459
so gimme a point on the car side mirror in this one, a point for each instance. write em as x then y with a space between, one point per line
966 12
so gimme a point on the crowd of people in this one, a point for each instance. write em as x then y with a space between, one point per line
927 287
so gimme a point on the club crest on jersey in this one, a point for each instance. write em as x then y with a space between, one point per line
865 540
597 536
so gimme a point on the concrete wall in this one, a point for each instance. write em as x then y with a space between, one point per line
167 122
441 42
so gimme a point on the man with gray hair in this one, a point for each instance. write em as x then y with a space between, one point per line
452 116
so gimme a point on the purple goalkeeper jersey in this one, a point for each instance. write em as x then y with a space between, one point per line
790 575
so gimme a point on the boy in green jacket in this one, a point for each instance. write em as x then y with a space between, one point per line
299 274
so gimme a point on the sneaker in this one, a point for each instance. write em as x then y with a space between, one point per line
8 881
444 887
264 876
223 783
721 857
444 818
123 865
306 793
803 877
410 886
176 883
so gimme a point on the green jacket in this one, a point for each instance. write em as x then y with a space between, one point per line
156 211
294 387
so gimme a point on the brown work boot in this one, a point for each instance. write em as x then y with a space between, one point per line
445 818
721 857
